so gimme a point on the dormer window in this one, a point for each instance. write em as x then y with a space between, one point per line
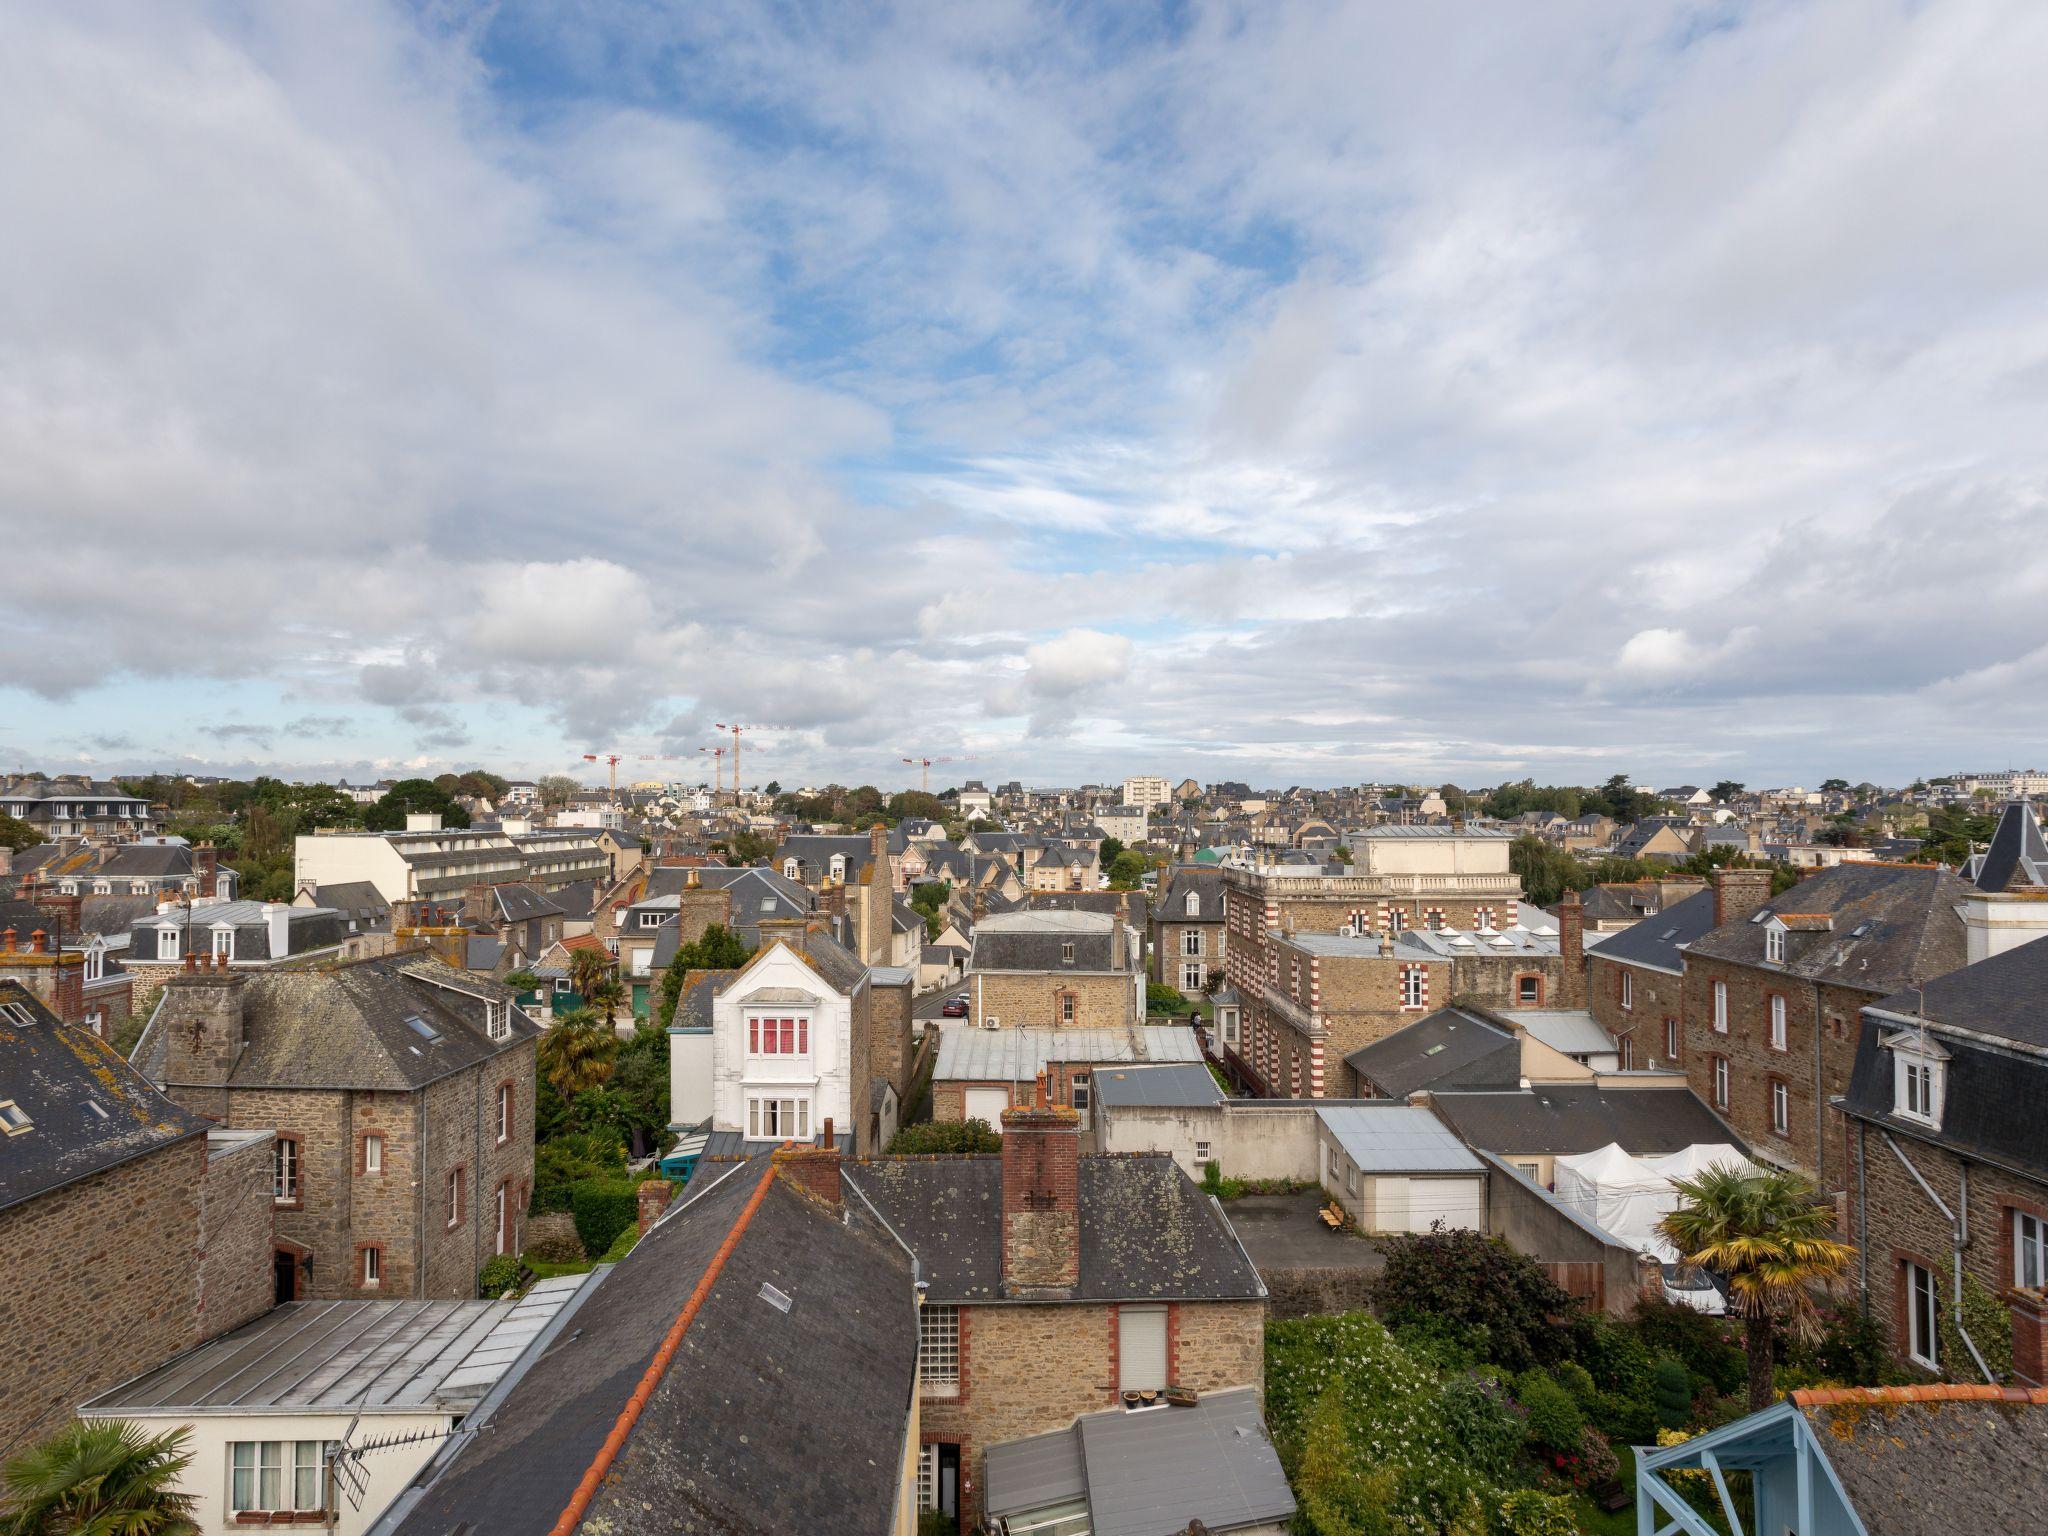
838 866
1194 906
1067 953
223 943
167 943
1919 1079
789 869
1774 944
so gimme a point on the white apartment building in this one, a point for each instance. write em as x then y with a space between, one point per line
1147 790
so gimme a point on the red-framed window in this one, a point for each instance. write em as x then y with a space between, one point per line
778 1037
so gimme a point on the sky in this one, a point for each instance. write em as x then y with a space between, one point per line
1292 392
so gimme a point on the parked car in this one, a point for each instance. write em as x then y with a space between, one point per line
1686 1286
954 1007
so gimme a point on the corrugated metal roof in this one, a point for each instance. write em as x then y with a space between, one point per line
1174 1086
1399 1138
349 1356
969 1053
1570 1030
1030 1474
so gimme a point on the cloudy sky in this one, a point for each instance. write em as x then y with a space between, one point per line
1297 392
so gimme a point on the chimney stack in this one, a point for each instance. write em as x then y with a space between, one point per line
878 842
812 1170
653 1198
1041 1197
204 1025
1571 944
206 863
1739 892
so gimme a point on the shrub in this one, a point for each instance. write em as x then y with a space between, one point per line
1624 1407
1989 1325
1160 998
1597 1462
936 1522
1699 1342
603 1208
1673 1394
497 1276
1477 1281
944 1136
560 1165
1483 1428
1556 1423
622 1244
1525 1512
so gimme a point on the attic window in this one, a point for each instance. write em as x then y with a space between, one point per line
497 1019
777 1299
767 903
1669 935
96 1109
17 1014
421 1027
1859 930
13 1118
1759 915
1067 954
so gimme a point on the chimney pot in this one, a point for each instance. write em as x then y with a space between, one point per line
191 961
35 942
8 936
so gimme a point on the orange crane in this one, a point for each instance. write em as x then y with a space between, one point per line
717 768
925 765
735 731
611 758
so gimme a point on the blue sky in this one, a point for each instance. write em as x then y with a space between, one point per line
1294 392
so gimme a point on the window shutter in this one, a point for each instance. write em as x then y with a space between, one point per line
1141 1349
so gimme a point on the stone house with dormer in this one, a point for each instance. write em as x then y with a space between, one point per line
1188 932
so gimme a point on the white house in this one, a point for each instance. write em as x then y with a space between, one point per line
271 1404
767 1052
1126 823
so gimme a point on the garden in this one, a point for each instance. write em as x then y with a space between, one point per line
1479 1399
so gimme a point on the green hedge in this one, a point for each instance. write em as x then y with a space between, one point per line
603 1208
497 1276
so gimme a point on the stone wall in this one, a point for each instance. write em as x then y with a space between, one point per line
236 1279
1028 1369
97 1284
1654 997
1101 1001
1168 954
1895 1223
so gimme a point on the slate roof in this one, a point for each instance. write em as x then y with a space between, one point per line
1658 942
1446 1049
1147 1473
358 900
1397 1138
2017 857
1173 1085
346 1027
1147 1233
518 903
765 1422
815 852
969 1053
693 1002
1932 1465
1128 906
1036 940
1567 1119
1910 931
88 1110
753 893
832 960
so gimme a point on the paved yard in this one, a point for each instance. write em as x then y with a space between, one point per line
1284 1232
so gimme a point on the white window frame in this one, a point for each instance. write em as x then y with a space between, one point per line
1720 996
837 867
287 1182
502 1235
1781 1108
167 943
938 1349
1193 907
1721 1075
652 919
452 1197
1674 1045
297 1470
96 960
1129 1379
1414 985
1191 941
373 1154
223 950
1918 1082
1774 944
1923 1315
373 1269
2029 1251
1628 992
1190 977
1779 1037
504 1113
766 1113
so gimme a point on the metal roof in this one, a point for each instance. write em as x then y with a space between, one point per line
1151 1471
1399 1138
1573 1031
349 1357
1175 1086
970 1053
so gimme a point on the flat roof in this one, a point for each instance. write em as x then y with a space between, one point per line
1178 1085
1573 1031
969 1053
349 1357
1399 1138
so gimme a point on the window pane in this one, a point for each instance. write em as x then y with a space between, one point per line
306 1475
270 1474
242 1495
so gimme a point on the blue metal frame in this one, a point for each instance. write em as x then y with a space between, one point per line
1794 1486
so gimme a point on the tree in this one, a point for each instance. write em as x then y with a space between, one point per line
941 1136
16 834
576 1054
1770 1234
1546 872
1727 789
1837 786
106 1477
557 790
409 796
1127 870
1471 1280
588 969
1108 851
745 847
929 899
718 948
607 992
640 1080
773 788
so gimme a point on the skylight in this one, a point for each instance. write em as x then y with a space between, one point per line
13 1118
421 1027
17 1014
1859 930
779 1300
1670 933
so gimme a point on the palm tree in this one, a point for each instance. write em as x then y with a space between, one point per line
587 970
100 1477
606 993
576 1053
1771 1235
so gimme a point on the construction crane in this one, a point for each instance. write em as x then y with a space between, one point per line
717 768
611 758
925 765
735 731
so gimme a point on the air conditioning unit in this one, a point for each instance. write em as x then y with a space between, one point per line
991 1022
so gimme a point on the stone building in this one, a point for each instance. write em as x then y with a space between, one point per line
1635 978
1771 995
401 1094
1054 1283
1947 1161
128 1230
1054 969
1188 935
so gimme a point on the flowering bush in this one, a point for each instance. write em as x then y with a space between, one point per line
1525 1512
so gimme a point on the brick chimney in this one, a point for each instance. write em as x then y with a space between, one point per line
1041 1197
813 1170
57 978
700 906
878 842
653 1197
204 1026
790 930
1571 944
1739 892
478 904
64 909
206 864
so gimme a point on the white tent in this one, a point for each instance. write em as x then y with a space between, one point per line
1627 1196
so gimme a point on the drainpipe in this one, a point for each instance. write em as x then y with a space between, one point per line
1862 1221
1959 1236
1820 1102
